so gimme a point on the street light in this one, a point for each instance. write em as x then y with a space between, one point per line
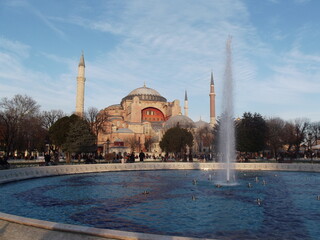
108 145
309 143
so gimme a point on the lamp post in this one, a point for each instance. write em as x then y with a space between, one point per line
108 145
309 143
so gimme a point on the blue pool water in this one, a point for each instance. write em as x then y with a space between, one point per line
174 205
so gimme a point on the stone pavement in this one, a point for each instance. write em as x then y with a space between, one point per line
13 231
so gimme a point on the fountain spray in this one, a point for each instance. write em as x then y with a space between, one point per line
226 134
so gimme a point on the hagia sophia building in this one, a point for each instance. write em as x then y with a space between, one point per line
142 116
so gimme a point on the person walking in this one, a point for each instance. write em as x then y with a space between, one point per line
47 159
142 156
132 157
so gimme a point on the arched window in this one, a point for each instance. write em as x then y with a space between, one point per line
156 114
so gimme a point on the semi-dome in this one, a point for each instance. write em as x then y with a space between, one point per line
183 121
145 94
202 124
114 107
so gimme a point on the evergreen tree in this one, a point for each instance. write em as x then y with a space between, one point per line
72 135
176 140
251 133
59 130
80 139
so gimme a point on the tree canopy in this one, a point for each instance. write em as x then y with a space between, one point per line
80 139
50 117
251 133
176 139
58 132
276 134
20 127
96 120
73 134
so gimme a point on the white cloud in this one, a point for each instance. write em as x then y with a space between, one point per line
33 10
173 46
58 59
17 78
16 47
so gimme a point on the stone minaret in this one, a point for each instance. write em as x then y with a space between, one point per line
212 103
80 87
186 104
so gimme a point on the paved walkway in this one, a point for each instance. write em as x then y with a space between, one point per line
13 231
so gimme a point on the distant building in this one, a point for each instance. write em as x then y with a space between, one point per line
141 118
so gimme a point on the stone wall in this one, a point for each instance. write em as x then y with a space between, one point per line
45 171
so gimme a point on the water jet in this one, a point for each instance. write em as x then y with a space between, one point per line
226 133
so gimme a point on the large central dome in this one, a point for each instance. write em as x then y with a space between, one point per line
144 91
145 94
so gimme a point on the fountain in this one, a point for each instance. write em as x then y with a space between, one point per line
163 204
226 134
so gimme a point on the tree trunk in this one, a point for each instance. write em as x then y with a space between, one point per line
68 157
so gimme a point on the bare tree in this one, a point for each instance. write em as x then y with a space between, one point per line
314 130
20 106
50 117
204 137
13 114
289 135
301 127
276 134
199 138
208 137
295 133
91 114
133 143
32 135
149 140
96 120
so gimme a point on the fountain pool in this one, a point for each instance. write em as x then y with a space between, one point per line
278 205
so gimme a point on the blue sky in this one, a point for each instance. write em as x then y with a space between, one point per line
172 46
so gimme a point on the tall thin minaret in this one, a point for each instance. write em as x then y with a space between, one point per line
212 103
80 87
186 104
